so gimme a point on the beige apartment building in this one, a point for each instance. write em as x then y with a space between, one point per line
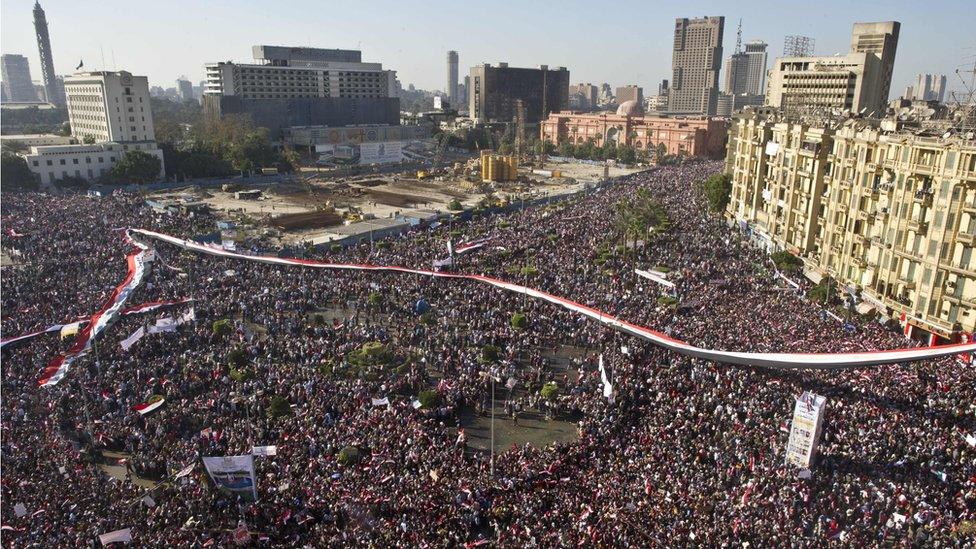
888 211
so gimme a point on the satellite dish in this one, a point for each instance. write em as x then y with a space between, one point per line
928 111
946 135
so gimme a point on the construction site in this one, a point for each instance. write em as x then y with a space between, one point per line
321 207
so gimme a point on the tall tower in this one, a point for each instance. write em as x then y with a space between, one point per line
452 78
695 64
54 92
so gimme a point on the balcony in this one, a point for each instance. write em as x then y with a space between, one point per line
923 197
917 226
966 238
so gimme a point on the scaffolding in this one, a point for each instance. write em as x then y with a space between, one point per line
795 45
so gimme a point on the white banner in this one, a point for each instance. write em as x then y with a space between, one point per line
233 473
801 450
264 451
128 342
381 153
607 387
652 276
118 536
381 401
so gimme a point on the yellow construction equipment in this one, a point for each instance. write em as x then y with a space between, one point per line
498 167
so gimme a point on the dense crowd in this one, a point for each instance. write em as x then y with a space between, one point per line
687 452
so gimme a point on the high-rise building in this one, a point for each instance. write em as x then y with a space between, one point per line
452 78
17 85
928 87
109 106
886 210
745 71
858 81
295 86
695 65
55 93
494 91
630 93
110 113
662 88
185 88
881 40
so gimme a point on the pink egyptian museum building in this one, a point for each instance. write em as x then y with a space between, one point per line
692 136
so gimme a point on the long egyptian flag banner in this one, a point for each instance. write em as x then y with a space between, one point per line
134 310
771 360
59 366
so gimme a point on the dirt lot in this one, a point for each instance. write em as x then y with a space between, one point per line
311 207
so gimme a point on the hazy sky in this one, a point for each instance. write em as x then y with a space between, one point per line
627 41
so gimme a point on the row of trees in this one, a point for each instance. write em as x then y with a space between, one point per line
197 147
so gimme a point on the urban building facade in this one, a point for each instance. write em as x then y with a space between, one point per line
745 71
185 88
110 115
495 90
89 162
630 93
53 92
691 136
887 211
858 81
584 97
109 106
17 84
452 79
695 65
293 86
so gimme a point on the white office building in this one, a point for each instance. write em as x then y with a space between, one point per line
109 110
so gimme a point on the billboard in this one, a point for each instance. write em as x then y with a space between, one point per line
233 473
381 153
801 450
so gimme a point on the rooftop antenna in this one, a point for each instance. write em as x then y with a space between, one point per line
102 49
738 38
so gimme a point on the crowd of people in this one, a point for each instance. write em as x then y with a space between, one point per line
685 452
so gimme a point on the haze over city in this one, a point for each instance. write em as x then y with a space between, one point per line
627 42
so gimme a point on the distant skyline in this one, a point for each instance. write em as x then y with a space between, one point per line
625 43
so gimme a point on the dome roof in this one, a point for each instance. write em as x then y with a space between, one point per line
630 108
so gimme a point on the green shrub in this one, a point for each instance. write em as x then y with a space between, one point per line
222 327
504 224
786 262
348 456
490 353
155 398
824 291
372 353
519 321
549 391
279 407
667 301
319 319
239 374
455 205
529 270
336 247
383 245
238 358
429 399
374 299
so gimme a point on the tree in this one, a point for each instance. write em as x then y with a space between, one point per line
549 391
88 140
566 149
718 189
786 262
135 167
519 321
15 174
490 353
14 146
626 154
222 327
348 456
455 205
429 399
279 407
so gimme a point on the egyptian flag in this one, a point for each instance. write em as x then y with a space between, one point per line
147 407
